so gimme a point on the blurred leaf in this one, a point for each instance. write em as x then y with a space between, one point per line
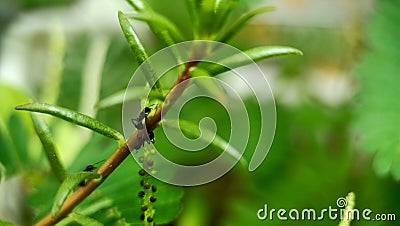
133 93
2 172
19 153
137 48
14 127
161 26
50 89
227 34
194 15
84 220
68 185
74 117
138 5
217 5
49 146
5 223
254 54
211 20
160 22
378 109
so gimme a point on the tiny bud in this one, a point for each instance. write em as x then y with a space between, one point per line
142 172
141 194
141 183
150 163
142 217
141 159
150 219
153 188
153 199
143 207
146 185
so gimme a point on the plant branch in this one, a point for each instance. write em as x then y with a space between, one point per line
120 154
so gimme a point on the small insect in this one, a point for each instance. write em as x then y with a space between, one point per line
151 137
89 168
138 122
140 125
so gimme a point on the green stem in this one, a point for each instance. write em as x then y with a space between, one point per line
50 148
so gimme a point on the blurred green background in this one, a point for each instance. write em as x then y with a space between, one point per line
337 110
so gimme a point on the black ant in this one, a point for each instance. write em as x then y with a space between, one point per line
150 137
89 168
138 122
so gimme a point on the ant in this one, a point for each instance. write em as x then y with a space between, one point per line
89 168
138 122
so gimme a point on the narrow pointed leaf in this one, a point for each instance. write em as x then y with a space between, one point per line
49 146
194 16
133 93
239 23
160 22
68 185
138 5
138 50
255 54
74 117
84 220
163 34
217 5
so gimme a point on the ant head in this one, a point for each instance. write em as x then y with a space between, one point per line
90 168
147 110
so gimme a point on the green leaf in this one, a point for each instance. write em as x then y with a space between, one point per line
74 117
49 146
5 223
138 49
255 54
194 15
217 5
210 20
239 23
377 112
160 22
162 32
133 93
70 182
138 5
84 220
218 142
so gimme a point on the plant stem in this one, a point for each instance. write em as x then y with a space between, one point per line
119 154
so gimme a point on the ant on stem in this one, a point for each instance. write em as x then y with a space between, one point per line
89 168
138 123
